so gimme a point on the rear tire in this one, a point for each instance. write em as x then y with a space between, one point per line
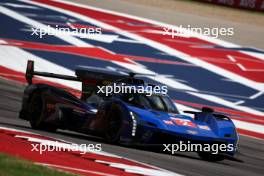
36 113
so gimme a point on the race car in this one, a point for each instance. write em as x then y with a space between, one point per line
125 118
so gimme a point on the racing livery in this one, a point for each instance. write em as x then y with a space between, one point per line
124 118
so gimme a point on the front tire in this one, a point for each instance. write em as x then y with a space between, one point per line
114 125
210 157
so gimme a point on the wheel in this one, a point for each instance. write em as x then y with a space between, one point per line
37 106
114 125
210 157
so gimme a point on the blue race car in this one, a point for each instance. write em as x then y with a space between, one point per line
124 118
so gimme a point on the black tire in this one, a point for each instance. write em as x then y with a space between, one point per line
114 125
36 113
211 157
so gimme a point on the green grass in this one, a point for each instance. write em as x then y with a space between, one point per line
12 166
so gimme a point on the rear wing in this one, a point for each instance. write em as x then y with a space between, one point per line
90 77
30 73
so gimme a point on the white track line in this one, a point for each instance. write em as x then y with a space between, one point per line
74 169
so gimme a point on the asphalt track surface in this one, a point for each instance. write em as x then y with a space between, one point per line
251 151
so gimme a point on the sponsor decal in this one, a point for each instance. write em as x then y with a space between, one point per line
183 122
168 122
204 127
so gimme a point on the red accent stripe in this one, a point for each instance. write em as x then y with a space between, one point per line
89 52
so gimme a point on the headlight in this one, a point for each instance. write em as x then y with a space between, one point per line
134 123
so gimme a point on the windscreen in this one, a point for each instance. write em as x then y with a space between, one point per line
154 102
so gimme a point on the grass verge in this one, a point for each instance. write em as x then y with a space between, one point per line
12 166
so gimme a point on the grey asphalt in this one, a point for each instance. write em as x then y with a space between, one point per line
251 151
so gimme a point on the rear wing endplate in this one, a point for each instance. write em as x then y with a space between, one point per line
30 73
